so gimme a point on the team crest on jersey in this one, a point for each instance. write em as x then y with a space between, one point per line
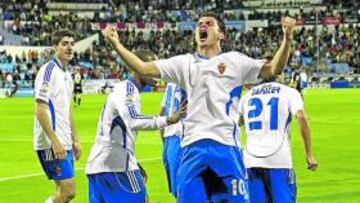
221 67
58 171
44 88
129 98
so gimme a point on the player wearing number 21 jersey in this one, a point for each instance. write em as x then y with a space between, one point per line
267 110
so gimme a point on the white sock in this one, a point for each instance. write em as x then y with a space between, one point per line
49 200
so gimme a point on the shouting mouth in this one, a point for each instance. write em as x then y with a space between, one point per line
203 35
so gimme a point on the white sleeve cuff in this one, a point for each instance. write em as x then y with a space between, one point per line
161 121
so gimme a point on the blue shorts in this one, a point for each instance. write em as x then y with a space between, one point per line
114 187
55 168
272 185
171 159
212 172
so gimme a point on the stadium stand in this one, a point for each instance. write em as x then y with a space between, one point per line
326 40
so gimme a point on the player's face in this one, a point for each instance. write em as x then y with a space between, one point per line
207 32
65 49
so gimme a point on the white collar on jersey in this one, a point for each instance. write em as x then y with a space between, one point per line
199 56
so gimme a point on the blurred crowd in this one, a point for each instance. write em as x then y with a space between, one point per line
34 23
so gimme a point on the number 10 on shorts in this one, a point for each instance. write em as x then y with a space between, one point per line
239 188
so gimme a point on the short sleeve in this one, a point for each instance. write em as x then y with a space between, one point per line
296 102
251 67
171 69
43 83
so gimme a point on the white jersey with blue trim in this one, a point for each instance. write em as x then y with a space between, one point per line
54 86
213 87
171 102
120 118
267 110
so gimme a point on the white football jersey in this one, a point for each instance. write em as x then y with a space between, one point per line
114 146
213 87
267 110
54 86
171 101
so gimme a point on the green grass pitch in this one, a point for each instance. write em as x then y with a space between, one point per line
334 119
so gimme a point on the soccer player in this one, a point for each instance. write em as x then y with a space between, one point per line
267 110
55 138
298 79
211 167
171 135
78 82
112 169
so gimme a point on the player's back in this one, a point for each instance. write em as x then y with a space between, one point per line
267 111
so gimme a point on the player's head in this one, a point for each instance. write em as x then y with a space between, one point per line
146 56
209 30
63 42
274 78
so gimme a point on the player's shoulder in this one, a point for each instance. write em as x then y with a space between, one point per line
287 89
47 66
119 87
235 54
46 71
289 92
182 57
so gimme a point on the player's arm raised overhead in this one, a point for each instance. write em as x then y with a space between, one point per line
305 134
281 57
131 60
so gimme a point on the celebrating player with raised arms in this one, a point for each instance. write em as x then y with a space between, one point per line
211 166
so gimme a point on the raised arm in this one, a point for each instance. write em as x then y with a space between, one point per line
131 60
281 57
305 134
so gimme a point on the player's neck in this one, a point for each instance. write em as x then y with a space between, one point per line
63 63
209 52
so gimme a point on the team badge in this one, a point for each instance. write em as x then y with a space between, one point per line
221 67
58 171
129 99
44 88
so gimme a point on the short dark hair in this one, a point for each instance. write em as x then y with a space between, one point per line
220 22
59 34
146 55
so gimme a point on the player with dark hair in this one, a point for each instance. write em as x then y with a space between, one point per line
55 138
113 171
211 168
267 110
